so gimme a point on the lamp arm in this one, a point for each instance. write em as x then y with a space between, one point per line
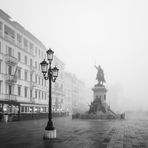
45 77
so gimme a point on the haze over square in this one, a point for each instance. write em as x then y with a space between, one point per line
112 34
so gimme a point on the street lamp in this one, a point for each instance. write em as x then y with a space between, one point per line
49 74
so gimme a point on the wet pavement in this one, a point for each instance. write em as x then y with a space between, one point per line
76 134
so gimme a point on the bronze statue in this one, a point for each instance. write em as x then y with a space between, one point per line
100 75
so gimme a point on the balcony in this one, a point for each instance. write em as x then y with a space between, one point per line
11 97
10 59
10 78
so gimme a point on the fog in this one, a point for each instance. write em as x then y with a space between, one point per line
84 33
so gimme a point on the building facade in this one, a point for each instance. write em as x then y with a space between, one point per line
77 95
58 87
22 86
23 90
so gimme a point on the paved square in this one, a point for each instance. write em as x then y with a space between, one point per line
76 134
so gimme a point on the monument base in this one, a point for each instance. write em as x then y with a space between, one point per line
94 116
49 134
99 109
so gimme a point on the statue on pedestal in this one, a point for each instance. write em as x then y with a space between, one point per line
98 108
100 75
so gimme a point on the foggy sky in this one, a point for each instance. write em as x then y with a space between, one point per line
110 33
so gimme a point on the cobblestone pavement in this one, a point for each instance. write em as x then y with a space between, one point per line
76 134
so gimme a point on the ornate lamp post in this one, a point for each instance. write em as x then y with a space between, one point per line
49 74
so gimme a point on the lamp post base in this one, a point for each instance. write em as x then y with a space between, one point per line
49 134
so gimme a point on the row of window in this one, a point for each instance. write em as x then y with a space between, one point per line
11 109
33 78
10 52
12 36
38 93
38 80
11 70
27 109
37 65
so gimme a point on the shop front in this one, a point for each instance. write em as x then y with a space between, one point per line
9 111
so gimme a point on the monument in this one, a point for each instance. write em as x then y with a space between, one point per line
98 108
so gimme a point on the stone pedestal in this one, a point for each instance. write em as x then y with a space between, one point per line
99 105
99 91
49 134
98 108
